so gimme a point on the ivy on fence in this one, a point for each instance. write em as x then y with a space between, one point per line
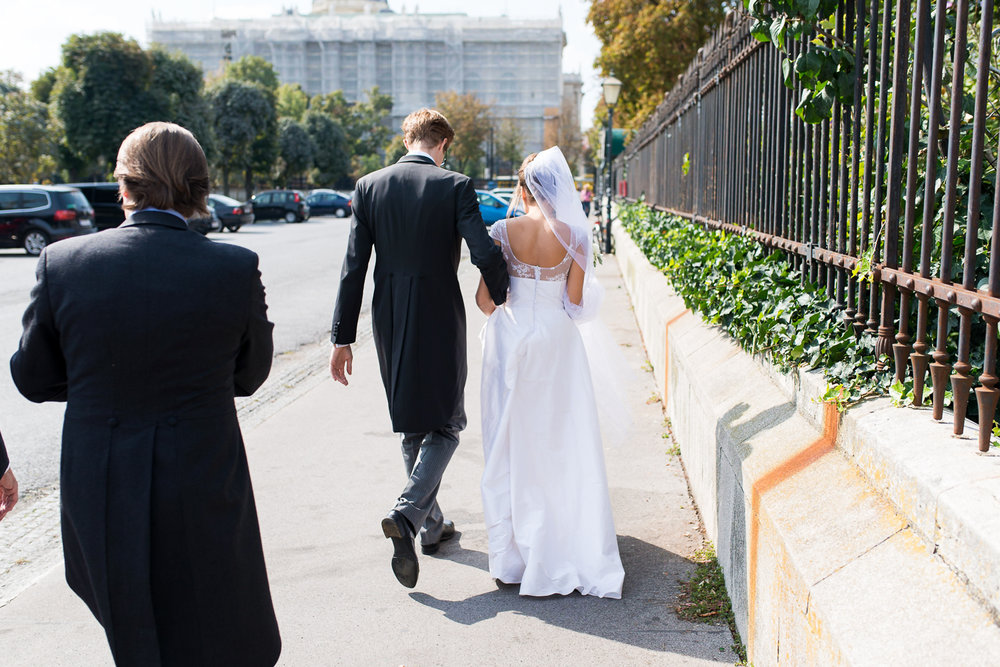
754 295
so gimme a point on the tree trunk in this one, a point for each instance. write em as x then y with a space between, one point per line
225 180
248 182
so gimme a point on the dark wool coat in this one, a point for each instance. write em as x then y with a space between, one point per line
4 461
148 331
415 215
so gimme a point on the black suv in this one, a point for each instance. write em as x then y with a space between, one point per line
287 205
104 198
33 216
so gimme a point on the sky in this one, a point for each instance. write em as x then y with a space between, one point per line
36 29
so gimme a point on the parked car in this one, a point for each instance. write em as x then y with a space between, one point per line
232 213
328 202
33 216
287 205
203 224
493 208
103 197
504 193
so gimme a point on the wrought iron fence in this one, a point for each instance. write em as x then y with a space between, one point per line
896 187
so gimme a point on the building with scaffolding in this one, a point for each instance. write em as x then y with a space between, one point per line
353 45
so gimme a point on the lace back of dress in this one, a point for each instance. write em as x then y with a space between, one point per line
518 269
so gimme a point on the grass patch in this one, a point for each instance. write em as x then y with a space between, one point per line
704 599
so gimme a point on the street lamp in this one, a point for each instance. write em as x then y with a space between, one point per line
611 87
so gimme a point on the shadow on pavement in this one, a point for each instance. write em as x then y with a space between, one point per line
644 617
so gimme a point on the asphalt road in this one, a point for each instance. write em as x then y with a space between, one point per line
300 265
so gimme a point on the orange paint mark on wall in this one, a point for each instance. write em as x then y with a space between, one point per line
666 354
783 471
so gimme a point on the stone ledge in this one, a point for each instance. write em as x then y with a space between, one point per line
834 550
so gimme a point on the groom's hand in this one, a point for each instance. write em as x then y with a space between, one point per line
341 360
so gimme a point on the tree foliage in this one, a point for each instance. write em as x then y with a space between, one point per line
26 148
509 143
292 101
253 69
177 87
471 120
296 150
241 116
647 44
364 124
331 160
101 94
259 73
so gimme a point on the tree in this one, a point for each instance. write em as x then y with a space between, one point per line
331 159
296 150
509 146
570 139
177 87
253 69
471 121
292 101
364 124
394 150
41 88
26 146
264 150
101 94
647 44
241 116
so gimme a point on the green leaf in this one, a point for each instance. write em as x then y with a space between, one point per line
778 32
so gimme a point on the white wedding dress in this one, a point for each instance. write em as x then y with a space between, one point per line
545 492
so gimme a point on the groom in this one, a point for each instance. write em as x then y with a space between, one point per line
415 215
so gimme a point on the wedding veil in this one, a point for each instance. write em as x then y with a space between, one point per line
550 182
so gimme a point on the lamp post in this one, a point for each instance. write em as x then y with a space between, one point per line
610 87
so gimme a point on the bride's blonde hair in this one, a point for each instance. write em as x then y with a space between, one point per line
521 193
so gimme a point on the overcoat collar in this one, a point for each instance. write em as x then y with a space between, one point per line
416 158
161 218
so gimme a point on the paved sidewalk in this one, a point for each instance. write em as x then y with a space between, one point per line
326 468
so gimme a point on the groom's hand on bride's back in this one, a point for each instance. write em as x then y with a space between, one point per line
341 363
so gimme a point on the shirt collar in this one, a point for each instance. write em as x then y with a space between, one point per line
423 154
161 210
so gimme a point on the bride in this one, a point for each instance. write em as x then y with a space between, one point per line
545 493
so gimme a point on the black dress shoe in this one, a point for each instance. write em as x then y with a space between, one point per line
404 558
447 532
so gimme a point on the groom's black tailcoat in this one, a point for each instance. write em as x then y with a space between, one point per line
147 331
415 215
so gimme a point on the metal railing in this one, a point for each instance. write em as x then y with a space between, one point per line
900 181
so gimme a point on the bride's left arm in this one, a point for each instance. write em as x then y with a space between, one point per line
483 298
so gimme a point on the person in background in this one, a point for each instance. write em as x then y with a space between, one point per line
586 197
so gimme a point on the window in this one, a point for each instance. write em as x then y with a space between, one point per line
33 200
264 200
9 201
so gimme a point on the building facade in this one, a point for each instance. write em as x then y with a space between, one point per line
514 65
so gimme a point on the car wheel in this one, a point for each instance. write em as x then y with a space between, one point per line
340 213
35 242
289 217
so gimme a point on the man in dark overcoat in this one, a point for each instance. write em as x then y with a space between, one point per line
415 215
148 331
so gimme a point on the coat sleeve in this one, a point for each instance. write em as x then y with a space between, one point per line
485 254
38 367
4 459
253 362
344 329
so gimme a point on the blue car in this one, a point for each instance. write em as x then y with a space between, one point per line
493 208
